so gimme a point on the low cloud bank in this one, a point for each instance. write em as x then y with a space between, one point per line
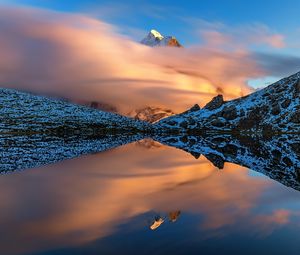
83 59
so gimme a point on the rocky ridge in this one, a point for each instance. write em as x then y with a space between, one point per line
274 109
24 113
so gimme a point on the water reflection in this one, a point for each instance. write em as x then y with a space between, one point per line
19 152
277 157
107 202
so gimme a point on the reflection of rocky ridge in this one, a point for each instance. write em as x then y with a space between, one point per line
20 152
173 216
277 157
271 110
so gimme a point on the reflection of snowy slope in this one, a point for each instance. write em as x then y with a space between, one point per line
277 157
273 109
23 152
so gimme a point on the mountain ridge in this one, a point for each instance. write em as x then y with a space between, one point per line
156 39
275 108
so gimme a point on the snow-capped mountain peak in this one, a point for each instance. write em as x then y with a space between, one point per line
156 34
154 38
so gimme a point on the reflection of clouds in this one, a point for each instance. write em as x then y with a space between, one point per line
84 199
269 222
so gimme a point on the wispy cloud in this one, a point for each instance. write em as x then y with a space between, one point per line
220 34
278 65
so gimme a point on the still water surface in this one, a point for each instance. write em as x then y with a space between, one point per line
146 198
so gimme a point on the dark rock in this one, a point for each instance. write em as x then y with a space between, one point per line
171 123
296 147
215 103
195 108
275 109
183 124
242 113
172 140
230 149
230 113
191 121
184 139
192 142
295 118
216 160
287 161
218 140
253 119
217 123
297 89
286 103
277 155
195 154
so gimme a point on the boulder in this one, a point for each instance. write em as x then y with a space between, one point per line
215 103
230 113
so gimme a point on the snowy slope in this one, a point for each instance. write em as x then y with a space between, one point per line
26 113
273 109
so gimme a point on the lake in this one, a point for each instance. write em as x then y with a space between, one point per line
146 198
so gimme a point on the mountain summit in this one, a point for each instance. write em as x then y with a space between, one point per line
154 38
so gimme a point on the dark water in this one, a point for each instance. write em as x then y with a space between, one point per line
147 198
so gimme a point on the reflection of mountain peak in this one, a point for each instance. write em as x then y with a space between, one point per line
156 223
173 216
154 38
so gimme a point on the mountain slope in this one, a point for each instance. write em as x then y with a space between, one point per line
25 113
151 114
273 109
155 39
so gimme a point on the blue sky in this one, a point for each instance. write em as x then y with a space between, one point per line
167 15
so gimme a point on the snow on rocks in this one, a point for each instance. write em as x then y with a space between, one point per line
274 109
27 113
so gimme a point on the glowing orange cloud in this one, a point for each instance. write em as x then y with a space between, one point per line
84 59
